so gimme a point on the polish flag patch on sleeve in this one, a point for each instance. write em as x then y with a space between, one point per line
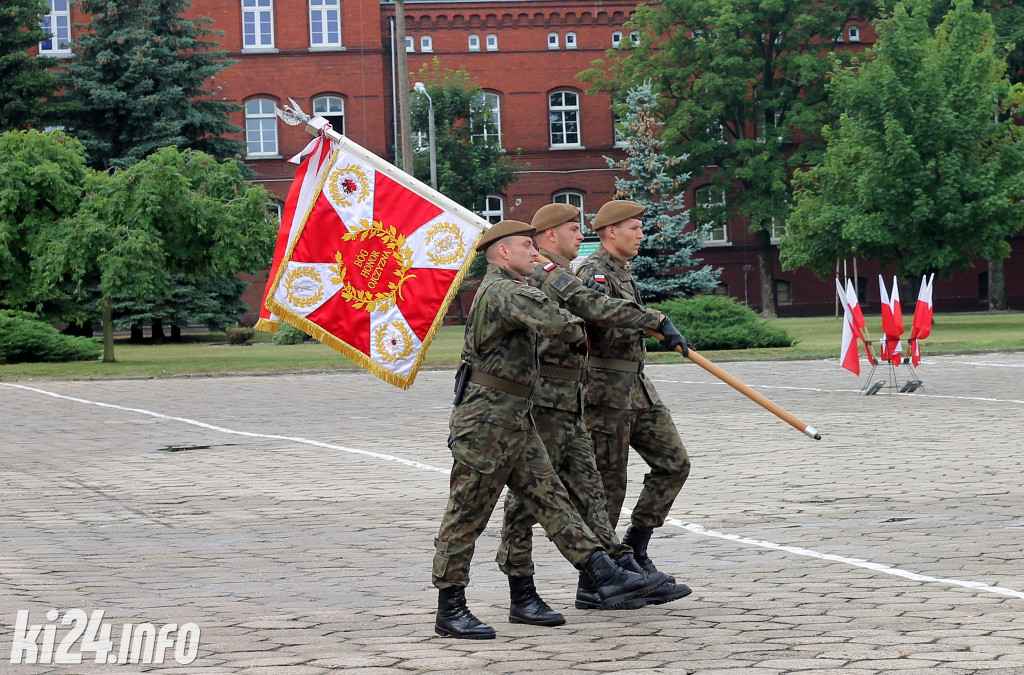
550 266
600 278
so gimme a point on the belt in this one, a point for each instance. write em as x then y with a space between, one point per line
559 373
620 365
501 384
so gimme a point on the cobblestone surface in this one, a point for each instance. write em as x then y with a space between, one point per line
292 519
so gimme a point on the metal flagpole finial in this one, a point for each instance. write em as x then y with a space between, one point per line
292 115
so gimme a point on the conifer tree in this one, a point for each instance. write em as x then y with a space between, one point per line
665 266
138 79
26 78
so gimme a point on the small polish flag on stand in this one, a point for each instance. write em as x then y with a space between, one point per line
922 326
892 322
849 357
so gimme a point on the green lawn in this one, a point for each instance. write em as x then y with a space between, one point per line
208 354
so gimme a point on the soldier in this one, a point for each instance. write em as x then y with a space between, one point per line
558 413
494 443
622 407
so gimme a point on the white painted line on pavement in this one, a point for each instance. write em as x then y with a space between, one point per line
225 430
692 527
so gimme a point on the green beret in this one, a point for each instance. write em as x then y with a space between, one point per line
554 215
616 211
502 229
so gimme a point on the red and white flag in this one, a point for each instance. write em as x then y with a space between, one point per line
375 264
892 322
296 207
848 355
922 326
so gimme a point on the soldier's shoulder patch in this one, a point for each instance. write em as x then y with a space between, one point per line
517 281
550 266
601 278
561 281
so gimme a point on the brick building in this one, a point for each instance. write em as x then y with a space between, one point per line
338 59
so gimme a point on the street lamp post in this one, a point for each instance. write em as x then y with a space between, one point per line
420 89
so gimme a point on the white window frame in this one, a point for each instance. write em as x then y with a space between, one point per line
778 231
330 107
571 197
854 33
617 134
58 24
494 209
426 43
563 114
718 235
261 123
324 23
492 42
616 38
490 129
410 44
553 41
474 42
570 40
257 25
634 39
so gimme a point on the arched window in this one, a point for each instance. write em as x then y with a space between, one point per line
564 119
616 38
324 23
570 40
331 108
854 33
260 128
426 43
410 43
492 42
485 118
553 41
494 209
570 197
474 43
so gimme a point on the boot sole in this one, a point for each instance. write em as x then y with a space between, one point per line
635 603
447 633
545 622
615 602
663 600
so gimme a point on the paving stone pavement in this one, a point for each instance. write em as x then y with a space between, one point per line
291 518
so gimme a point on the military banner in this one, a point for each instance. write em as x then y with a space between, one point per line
375 264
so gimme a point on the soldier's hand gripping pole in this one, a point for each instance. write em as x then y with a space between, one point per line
747 391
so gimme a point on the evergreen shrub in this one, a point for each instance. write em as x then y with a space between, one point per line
24 338
720 322
240 335
288 334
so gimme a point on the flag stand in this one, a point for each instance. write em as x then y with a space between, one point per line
872 386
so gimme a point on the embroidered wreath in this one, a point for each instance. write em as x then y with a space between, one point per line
448 247
290 287
341 187
393 348
393 242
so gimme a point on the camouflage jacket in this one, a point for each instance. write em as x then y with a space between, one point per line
502 330
616 388
555 388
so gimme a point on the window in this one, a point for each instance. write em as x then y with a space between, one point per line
274 210
634 38
710 202
570 197
720 289
983 286
485 118
782 292
570 40
58 24
616 38
257 24
332 109
474 43
619 130
492 42
410 43
324 23
261 128
426 43
494 209
552 40
762 123
854 33
778 231
564 119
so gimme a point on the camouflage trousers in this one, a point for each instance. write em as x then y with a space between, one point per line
488 457
653 434
572 456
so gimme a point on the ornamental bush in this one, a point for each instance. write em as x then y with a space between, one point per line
24 338
719 322
240 335
288 334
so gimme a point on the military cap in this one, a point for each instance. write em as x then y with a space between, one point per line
615 212
502 229
554 215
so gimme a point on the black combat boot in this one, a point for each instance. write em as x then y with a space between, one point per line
455 620
587 597
527 605
637 539
614 584
667 592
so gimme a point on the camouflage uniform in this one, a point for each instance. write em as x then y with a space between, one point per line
495 440
558 412
624 409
